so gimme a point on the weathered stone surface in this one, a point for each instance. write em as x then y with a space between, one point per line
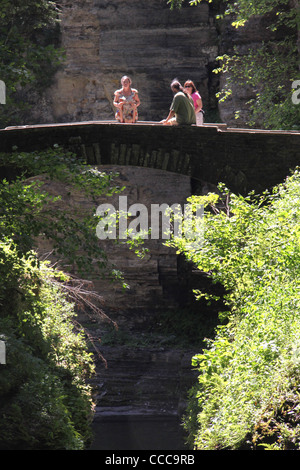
104 40
238 41
153 281
143 381
244 160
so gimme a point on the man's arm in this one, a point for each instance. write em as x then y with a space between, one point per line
170 116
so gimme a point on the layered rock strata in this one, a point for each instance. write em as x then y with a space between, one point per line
104 40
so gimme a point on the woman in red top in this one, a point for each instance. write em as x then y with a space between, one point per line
190 88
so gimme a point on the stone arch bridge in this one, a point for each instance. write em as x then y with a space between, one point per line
147 379
164 165
242 159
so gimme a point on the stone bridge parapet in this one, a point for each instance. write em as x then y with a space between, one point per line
243 159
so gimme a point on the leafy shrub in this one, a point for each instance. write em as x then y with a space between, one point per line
28 211
45 402
252 365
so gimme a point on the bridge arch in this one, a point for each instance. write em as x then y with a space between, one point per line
242 159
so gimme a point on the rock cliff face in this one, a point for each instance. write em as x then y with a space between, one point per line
143 380
104 40
153 280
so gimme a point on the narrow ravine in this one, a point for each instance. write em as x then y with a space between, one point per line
140 398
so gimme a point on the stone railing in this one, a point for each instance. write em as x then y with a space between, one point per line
243 159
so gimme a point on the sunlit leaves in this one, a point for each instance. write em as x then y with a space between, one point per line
255 253
28 211
266 69
44 400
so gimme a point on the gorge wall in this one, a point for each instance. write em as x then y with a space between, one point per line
143 374
153 280
104 40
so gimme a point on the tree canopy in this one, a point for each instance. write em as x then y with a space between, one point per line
29 53
45 402
246 395
269 68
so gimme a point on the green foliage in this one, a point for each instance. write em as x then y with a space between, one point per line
175 3
268 69
28 211
29 55
252 365
45 402
243 9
